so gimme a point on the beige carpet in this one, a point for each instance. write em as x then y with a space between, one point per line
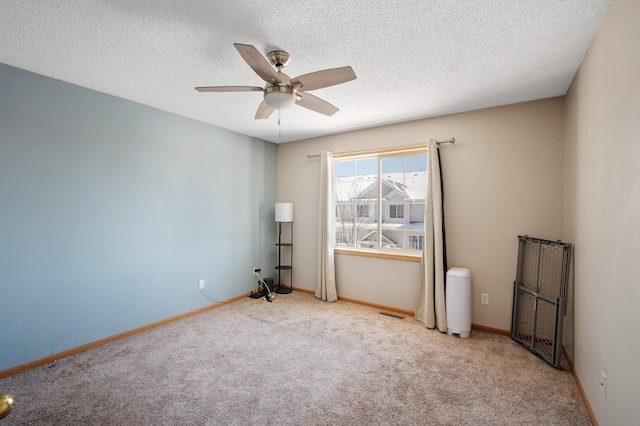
298 361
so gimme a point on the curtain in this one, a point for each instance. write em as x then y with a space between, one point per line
430 308
326 289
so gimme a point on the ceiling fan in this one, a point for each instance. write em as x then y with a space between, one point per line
281 91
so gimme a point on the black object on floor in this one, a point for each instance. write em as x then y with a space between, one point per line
258 295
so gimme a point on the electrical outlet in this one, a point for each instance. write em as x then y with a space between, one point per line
256 270
484 298
603 384
201 284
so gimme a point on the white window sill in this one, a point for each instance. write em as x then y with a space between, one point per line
406 255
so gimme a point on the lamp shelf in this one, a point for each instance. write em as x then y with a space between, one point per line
285 255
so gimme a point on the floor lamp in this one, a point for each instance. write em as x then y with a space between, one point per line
284 214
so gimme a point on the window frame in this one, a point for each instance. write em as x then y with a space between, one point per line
384 252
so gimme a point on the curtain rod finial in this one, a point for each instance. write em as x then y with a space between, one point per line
451 141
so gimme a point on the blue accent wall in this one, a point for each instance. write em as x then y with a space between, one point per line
111 211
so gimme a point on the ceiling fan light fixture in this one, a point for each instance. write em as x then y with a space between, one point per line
279 97
280 92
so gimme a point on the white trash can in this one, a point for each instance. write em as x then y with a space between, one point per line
458 302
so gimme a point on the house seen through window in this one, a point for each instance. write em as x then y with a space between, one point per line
380 200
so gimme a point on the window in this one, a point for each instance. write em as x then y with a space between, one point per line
415 242
380 200
363 211
396 212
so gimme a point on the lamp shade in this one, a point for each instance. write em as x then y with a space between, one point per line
284 212
279 100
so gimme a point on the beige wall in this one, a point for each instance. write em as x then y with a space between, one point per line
602 215
503 178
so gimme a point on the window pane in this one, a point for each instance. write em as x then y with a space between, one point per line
416 163
345 168
356 201
392 165
366 166
403 194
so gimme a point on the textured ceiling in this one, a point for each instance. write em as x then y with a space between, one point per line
413 58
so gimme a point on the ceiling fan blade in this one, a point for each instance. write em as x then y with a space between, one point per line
264 111
259 63
230 89
326 78
316 104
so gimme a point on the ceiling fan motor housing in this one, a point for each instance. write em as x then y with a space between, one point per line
278 58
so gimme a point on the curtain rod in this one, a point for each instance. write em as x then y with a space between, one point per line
451 141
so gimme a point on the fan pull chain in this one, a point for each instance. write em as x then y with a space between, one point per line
279 127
